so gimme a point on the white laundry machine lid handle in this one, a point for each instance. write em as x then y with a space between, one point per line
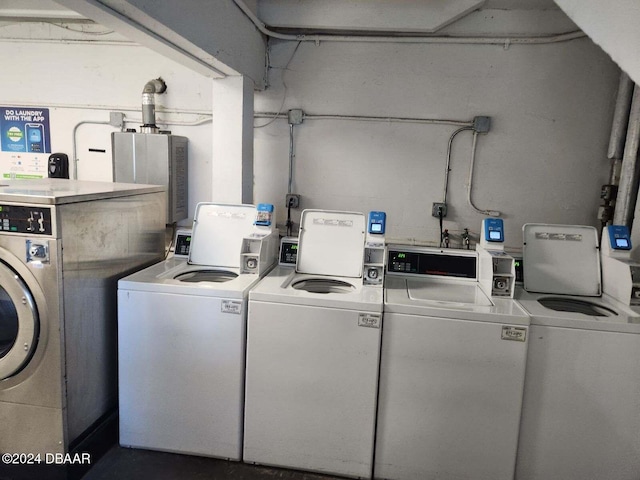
331 243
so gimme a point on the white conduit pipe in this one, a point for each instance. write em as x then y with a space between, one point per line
628 189
491 213
412 38
366 118
291 158
69 41
448 164
116 108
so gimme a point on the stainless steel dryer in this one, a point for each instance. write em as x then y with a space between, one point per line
63 246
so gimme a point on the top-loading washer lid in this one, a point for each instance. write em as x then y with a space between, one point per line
561 259
217 235
331 243
447 293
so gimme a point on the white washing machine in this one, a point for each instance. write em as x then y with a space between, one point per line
182 334
452 370
313 346
581 409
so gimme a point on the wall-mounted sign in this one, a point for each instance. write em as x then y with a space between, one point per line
24 142
25 129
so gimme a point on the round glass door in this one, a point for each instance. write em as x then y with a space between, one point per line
18 323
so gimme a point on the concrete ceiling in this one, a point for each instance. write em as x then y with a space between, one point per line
364 15
168 26
34 10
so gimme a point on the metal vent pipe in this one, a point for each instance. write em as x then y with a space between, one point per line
149 91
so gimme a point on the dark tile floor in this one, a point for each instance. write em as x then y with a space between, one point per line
133 464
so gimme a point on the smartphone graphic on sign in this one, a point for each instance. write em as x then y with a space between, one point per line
35 138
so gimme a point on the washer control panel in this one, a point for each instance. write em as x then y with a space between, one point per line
431 263
34 220
182 243
288 251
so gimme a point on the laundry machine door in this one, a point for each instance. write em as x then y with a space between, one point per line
19 323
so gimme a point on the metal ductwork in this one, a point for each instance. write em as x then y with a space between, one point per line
149 91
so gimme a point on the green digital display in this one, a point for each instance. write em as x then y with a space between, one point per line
288 252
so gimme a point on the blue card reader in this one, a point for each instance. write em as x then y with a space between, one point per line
264 212
493 230
619 237
377 223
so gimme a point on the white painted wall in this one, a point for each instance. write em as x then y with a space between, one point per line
232 173
543 161
613 26
83 82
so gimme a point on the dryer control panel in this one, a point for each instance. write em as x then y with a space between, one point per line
25 219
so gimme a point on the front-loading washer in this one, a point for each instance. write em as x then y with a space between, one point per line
581 408
313 346
182 334
63 246
451 370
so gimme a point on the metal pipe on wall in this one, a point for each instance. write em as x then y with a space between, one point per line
628 189
151 88
291 157
620 117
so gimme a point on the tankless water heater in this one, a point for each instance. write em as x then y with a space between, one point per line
156 159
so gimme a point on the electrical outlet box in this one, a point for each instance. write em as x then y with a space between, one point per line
116 119
437 208
482 124
295 116
292 200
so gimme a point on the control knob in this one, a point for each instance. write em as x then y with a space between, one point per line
252 263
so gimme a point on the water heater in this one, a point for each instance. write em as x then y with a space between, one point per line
156 159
